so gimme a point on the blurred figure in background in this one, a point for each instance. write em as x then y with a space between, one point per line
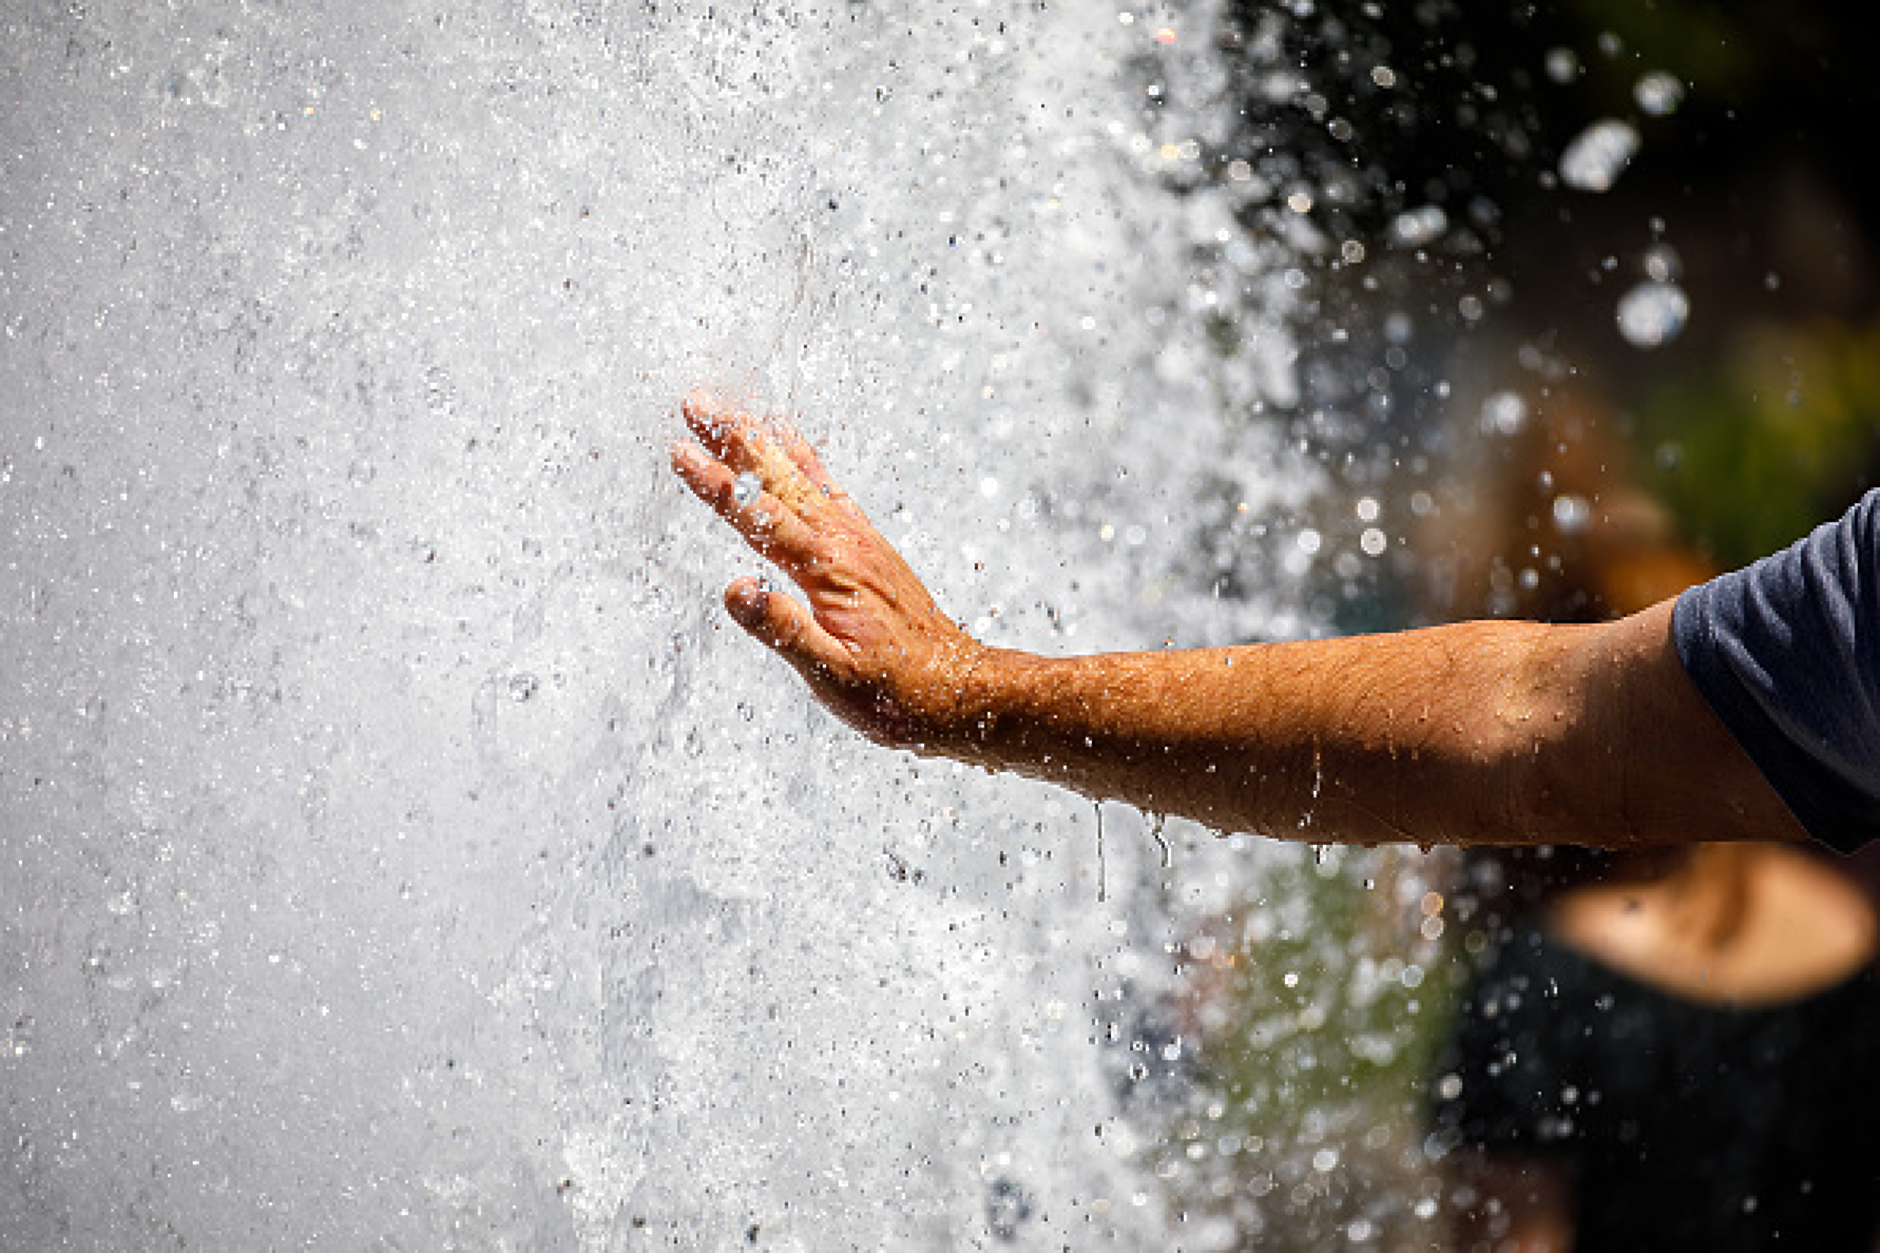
1670 1049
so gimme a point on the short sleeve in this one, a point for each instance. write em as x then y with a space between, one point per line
1787 652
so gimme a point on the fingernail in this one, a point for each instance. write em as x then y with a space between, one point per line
747 608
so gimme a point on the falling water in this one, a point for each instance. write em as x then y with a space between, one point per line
399 849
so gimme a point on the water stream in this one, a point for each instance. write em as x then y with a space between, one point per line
398 848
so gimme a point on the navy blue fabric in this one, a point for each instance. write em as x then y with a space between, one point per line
1787 651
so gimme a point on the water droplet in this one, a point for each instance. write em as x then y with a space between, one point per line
1504 413
1658 93
1155 829
1572 514
1653 313
1597 156
1414 228
746 488
1662 263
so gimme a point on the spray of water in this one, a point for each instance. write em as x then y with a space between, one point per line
398 848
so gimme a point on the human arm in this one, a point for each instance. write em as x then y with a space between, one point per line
1487 732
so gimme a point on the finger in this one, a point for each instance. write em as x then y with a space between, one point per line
784 626
708 414
803 454
764 521
736 438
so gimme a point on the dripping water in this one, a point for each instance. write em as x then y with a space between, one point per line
1155 829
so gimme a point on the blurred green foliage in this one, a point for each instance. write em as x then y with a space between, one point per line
1777 438
1330 1005
1344 1003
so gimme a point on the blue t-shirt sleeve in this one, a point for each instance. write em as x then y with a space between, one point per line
1787 652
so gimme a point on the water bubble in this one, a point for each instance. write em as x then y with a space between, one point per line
1653 313
746 488
1597 156
1563 65
1658 93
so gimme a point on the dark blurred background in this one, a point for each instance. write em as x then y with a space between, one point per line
1750 417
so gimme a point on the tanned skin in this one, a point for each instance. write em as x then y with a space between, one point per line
1474 733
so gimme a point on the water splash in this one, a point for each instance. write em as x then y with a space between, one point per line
381 762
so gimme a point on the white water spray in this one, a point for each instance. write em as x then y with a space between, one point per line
399 848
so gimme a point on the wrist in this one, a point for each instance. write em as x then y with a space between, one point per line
976 702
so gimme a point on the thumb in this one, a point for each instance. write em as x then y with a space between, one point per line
784 626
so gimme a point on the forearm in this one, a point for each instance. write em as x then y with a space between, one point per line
1366 739
1488 732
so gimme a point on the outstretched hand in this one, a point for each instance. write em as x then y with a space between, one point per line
871 643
